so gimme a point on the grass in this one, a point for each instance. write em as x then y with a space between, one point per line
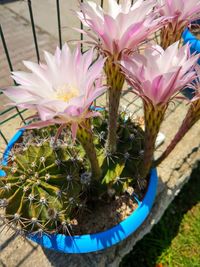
175 240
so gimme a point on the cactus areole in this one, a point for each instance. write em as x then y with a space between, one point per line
91 242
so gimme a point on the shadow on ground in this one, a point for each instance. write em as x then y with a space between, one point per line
7 1
60 259
147 251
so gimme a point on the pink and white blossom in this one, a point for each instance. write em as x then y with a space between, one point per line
159 74
123 26
62 90
183 11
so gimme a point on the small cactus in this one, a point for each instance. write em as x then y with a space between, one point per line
47 181
41 188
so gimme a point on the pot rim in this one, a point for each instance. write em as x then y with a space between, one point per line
189 37
93 242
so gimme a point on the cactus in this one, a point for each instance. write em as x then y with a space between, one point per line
48 182
41 189
120 170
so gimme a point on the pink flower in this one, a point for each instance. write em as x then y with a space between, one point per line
183 11
124 26
61 90
159 74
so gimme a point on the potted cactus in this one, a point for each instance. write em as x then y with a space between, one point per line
80 178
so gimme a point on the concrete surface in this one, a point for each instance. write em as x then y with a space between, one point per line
46 17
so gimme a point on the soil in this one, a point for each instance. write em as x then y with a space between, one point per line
195 29
104 215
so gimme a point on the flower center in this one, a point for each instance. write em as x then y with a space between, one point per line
65 92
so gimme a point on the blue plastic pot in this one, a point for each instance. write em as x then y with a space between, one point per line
102 240
194 42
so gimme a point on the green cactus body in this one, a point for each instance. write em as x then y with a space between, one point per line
40 191
47 184
120 170
115 81
85 137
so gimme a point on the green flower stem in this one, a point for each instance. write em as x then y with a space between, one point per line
115 81
85 137
192 116
170 34
153 119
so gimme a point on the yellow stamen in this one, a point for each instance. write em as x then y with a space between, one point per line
66 93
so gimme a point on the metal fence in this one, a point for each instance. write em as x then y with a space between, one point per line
9 60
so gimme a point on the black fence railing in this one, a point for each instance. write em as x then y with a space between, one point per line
7 112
